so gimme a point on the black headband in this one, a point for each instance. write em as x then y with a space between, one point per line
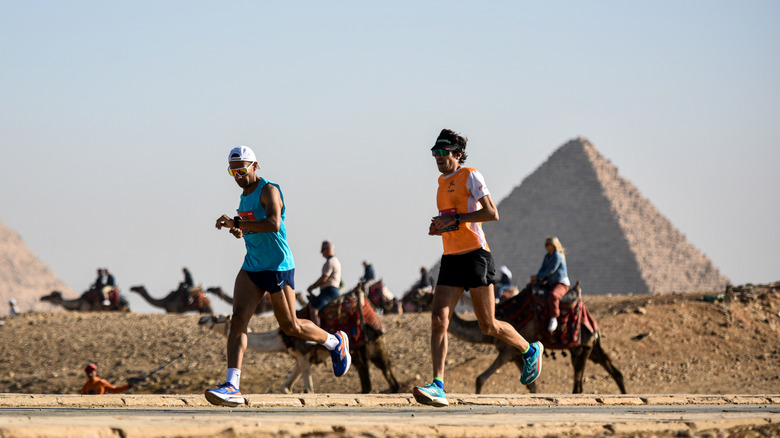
440 144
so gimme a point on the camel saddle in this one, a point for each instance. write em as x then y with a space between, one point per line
96 296
530 303
375 292
193 297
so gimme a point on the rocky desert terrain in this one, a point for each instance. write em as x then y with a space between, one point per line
719 342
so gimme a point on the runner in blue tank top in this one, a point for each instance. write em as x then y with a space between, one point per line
268 267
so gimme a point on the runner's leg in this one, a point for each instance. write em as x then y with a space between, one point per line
246 295
283 303
485 310
445 298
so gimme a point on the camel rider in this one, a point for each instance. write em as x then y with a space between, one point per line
188 285
329 282
426 281
104 283
368 272
188 282
96 386
553 276
505 282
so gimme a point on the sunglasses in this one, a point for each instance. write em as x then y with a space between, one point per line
440 152
241 171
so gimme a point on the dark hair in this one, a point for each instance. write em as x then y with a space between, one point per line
457 141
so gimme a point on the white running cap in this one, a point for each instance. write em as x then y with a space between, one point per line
242 153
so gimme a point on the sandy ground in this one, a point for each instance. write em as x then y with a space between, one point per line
687 346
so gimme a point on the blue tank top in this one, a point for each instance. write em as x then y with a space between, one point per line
264 251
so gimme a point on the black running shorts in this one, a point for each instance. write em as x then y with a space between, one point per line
272 281
471 269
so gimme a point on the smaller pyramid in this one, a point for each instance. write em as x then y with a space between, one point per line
615 239
23 276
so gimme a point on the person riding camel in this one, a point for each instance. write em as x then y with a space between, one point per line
104 284
426 281
188 281
554 278
505 282
188 286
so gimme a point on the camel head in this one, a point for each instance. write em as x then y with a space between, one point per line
577 289
138 289
54 297
216 290
218 323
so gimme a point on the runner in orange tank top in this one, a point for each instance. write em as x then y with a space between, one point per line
464 202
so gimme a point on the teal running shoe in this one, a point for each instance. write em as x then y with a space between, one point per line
430 395
533 365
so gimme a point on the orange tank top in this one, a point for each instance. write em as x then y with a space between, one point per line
453 197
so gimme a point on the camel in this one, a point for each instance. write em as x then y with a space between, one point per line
380 296
590 348
262 307
373 348
89 301
417 300
179 301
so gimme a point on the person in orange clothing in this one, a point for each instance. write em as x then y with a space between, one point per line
95 385
464 202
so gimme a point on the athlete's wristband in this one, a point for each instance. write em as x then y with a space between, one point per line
237 221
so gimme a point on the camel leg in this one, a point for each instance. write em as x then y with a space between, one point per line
381 359
599 356
360 361
579 358
296 372
520 363
305 364
292 378
504 356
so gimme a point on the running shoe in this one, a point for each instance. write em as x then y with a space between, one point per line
533 365
430 394
340 355
225 394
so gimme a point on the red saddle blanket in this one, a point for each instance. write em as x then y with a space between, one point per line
375 293
520 309
343 314
193 297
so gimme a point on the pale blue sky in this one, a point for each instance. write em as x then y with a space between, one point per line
116 119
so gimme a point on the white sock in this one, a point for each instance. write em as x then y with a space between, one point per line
553 325
233 376
331 343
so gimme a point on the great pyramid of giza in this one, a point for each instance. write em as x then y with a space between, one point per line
23 276
615 240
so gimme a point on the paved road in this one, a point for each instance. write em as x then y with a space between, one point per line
340 415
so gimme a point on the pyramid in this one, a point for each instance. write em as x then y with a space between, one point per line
615 240
23 276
